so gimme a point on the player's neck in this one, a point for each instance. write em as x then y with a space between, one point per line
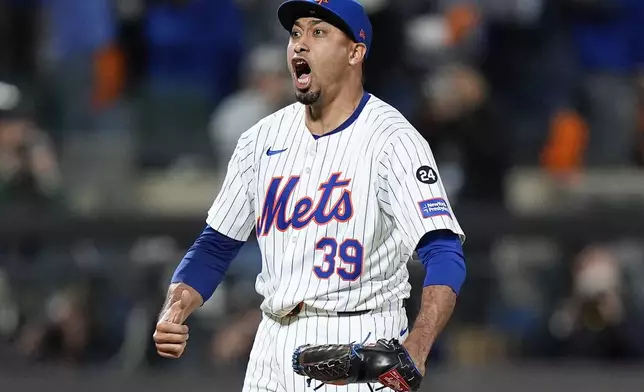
326 115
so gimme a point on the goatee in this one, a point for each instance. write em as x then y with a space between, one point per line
308 97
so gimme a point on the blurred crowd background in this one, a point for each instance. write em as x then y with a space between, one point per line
117 119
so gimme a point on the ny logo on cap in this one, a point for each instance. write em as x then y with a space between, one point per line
322 1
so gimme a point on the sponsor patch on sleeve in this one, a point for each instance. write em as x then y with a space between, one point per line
434 207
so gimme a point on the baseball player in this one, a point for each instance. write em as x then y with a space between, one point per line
340 190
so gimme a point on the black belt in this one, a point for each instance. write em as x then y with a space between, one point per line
357 313
300 306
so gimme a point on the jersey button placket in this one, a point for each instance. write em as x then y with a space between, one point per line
309 160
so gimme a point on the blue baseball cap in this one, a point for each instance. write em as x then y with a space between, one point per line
347 15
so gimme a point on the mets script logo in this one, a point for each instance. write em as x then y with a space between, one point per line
305 211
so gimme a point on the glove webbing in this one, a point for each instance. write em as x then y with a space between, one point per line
354 353
371 388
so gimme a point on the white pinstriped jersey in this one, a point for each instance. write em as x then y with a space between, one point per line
337 217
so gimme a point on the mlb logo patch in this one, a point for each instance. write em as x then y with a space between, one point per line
434 207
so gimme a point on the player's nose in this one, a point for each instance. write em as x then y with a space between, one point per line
301 47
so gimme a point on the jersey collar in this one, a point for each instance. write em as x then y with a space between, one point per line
354 116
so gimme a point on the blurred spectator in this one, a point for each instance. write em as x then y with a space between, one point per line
639 149
78 323
597 320
436 34
491 84
195 49
82 71
563 153
194 44
130 18
18 28
609 41
468 134
260 24
29 174
267 88
82 64
528 63
62 335
386 72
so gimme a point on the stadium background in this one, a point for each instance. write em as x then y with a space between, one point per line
117 118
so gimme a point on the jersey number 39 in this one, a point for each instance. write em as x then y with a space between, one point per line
350 253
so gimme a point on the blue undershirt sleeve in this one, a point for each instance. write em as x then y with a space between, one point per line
205 264
441 253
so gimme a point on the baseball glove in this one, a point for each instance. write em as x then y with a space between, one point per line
385 362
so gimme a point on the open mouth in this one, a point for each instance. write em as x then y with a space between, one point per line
302 73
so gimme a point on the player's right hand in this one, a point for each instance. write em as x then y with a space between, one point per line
171 335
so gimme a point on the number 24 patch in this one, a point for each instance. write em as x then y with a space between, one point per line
426 175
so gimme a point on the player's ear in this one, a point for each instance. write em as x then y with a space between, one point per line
358 52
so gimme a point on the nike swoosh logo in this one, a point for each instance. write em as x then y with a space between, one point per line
270 152
403 331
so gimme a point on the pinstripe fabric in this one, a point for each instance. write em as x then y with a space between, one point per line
375 159
337 218
270 366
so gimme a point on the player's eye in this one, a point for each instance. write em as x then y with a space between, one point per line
318 32
295 34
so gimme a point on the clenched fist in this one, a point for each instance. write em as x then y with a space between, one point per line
171 335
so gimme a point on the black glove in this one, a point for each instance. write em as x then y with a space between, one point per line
385 362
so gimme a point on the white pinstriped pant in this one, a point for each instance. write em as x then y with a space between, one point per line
270 367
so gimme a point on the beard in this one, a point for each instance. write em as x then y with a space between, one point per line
307 97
